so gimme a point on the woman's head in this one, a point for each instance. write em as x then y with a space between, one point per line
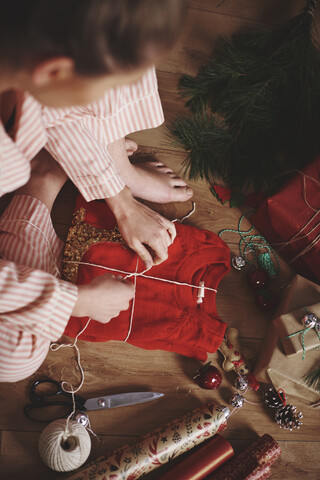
96 38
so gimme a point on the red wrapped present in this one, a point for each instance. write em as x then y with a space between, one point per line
290 221
166 314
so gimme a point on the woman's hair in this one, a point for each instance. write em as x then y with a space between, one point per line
101 36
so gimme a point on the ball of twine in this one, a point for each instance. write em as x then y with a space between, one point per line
64 446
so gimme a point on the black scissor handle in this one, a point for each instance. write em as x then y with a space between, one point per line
37 394
30 410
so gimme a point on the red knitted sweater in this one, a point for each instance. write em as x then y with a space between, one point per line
166 316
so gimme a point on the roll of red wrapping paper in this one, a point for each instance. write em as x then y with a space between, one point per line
157 448
251 464
202 461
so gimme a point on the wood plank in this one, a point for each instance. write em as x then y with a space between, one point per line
197 40
207 20
271 13
117 367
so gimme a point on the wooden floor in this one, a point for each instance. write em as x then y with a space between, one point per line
118 367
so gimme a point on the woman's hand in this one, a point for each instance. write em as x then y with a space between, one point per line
147 232
104 298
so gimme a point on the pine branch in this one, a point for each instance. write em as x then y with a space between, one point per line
207 140
264 88
313 379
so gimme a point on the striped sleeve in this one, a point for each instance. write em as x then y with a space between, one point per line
34 301
78 138
14 166
86 161
30 137
32 297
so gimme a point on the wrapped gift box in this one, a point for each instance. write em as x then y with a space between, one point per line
290 221
288 326
287 371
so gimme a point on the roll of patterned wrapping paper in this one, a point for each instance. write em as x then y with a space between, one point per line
202 460
157 448
252 464
260 473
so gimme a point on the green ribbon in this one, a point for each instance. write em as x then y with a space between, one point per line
250 243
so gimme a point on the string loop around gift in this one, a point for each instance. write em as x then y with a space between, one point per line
303 232
136 274
303 332
142 274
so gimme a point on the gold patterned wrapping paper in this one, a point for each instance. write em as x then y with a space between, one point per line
157 448
80 237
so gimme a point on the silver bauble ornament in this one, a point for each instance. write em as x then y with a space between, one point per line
237 400
238 262
82 418
241 384
309 320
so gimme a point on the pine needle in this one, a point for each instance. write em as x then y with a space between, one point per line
313 379
254 107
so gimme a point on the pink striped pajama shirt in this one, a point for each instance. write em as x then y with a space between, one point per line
35 304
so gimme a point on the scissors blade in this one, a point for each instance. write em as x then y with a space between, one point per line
121 400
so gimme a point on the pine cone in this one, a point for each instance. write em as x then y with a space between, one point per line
287 417
274 399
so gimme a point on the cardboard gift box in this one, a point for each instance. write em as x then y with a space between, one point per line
294 337
274 365
290 221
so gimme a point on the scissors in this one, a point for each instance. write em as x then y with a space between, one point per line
49 401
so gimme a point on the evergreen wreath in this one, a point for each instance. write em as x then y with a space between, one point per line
254 107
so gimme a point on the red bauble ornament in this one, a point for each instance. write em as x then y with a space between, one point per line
258 279
266 299
208 377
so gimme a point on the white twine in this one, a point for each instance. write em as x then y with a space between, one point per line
64 452
130 274
135 274
180 220
55 347
50 446
133 300
60 432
